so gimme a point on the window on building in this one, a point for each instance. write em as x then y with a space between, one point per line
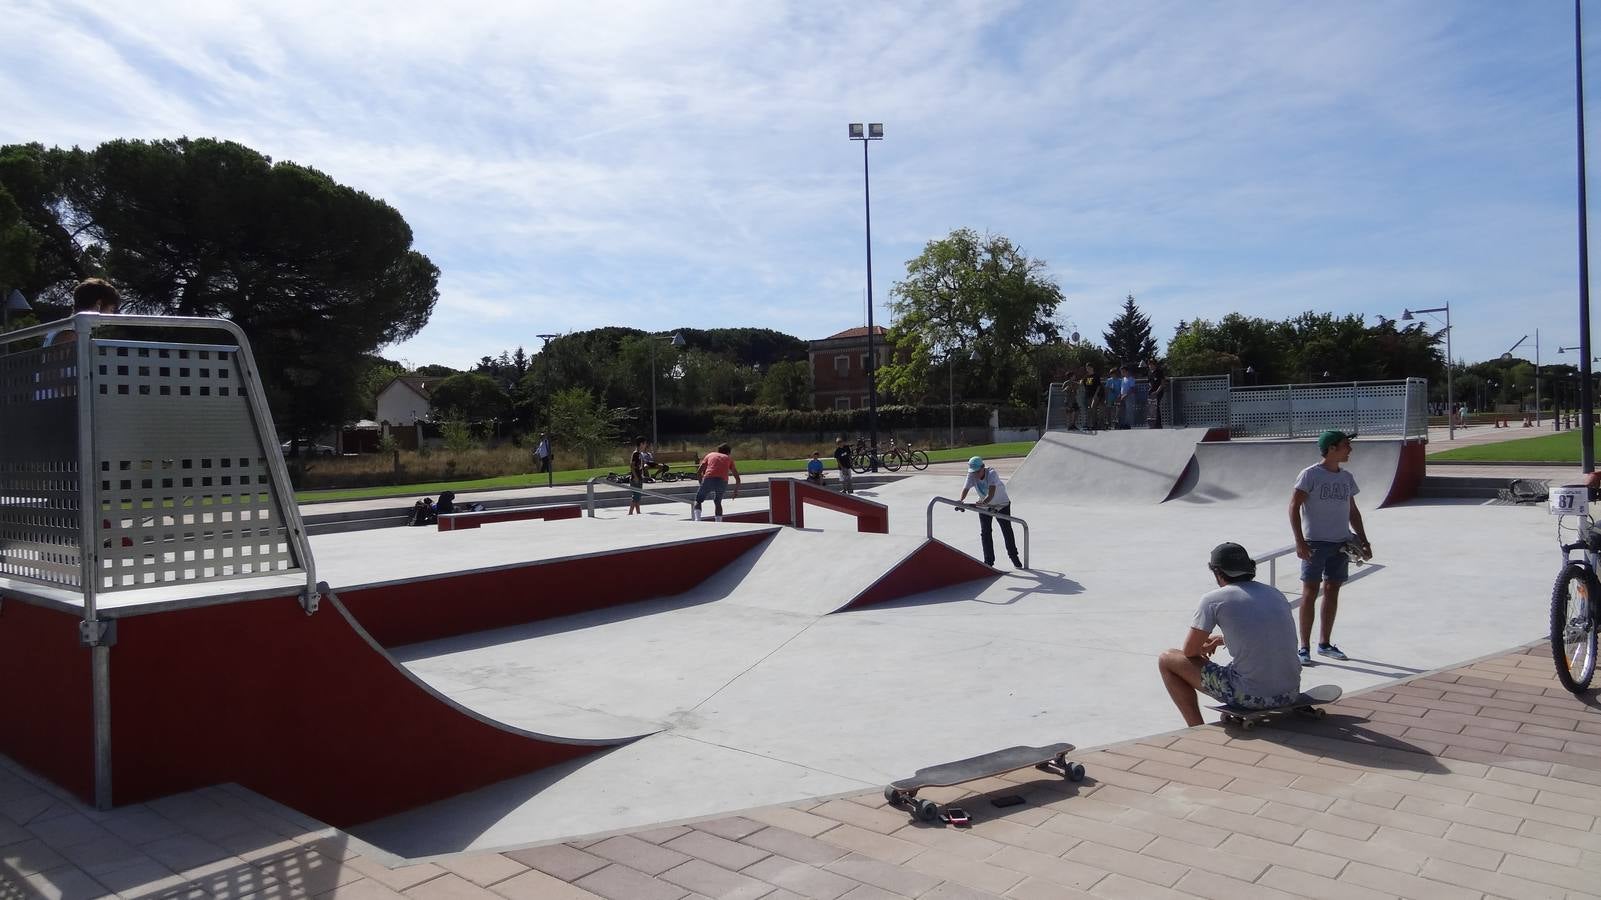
842 365
864 362
842 403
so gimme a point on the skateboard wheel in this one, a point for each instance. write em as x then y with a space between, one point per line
928 810
1075 771
1320 712
893 797
1248 724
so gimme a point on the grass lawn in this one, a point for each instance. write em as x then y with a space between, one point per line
1561 448
579 476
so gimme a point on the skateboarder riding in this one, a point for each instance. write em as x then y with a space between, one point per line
1258 631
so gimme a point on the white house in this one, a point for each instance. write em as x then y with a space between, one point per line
404 400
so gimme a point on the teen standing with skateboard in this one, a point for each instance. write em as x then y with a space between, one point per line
1259 632
1323 515
991 495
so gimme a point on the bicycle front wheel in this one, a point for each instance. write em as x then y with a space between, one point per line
919 460
891 460
1573 638
860 463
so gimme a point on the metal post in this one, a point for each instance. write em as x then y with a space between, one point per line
950 364
653 390
1537 378
1586 396
872 364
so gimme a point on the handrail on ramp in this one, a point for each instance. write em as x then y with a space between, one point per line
1271 558
589 494
984 511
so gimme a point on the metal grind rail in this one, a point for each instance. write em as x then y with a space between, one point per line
589 494
983 511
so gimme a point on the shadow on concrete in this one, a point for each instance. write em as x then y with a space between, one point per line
1390 670
1346 738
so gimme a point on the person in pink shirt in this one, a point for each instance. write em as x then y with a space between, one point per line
715 469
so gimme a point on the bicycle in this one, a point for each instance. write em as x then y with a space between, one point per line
862 460
904 455
1576 593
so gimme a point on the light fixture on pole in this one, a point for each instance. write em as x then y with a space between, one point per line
677 341
15 302
1450 398
874 132
550 470
1507 357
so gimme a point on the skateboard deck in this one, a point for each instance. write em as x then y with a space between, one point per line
902 794
1309 703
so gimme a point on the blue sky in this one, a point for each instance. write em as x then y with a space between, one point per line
655 165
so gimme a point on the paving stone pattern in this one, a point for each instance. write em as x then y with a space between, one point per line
1481 782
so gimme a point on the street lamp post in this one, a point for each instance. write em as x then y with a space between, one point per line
1586 397
677 341
550 470
874 132
1450 397
1507 357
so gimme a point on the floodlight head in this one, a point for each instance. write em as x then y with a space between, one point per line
1075 337
15 302
678 340
1406 315
875 131
856 131
1507 356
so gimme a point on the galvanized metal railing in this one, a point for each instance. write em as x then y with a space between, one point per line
589 494
979 509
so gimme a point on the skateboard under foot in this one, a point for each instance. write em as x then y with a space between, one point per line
1309 704
903 794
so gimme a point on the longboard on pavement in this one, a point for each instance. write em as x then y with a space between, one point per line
1309 703
903 794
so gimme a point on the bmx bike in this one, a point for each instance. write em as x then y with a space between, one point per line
1576 593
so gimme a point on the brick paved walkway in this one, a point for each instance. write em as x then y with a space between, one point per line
1484 781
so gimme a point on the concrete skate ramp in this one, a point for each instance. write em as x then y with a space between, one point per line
1262 473
1140 466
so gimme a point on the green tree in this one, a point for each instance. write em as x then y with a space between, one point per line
470 397
786 385
1128 337
983 296
317 274
580 421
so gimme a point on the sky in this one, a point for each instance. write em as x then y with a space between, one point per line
661 165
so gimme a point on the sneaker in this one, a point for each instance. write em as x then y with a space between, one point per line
1017 563
1331 651
1306 656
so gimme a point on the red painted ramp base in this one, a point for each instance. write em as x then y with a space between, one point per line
45 695
307 710
934 565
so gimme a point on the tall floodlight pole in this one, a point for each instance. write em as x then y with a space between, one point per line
677 341
550 470
1450 398
875 132
1586 394
1507 357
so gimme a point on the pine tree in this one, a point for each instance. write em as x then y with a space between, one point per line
1128 337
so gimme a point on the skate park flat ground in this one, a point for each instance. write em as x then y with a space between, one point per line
762 696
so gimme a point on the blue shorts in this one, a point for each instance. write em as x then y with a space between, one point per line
1222 684
714 487
1327 563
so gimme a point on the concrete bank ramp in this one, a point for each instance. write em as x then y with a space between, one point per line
1262 473
1137 466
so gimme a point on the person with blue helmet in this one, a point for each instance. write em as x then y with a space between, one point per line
991 496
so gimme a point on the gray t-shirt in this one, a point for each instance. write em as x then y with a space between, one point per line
1326 514
1260 634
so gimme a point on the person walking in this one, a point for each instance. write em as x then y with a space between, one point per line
542 453
1323 517
1125 399
636 473
1258 631
991 496
715 470
842 459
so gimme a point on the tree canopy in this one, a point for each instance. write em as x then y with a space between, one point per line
1128 337
1310 347
316 273
980 297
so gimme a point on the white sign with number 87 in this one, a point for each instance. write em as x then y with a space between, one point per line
1570 500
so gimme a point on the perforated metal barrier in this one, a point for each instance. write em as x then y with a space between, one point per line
1280 410
186 481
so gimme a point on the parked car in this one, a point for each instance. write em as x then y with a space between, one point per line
307 448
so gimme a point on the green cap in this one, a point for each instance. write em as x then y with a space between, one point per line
1329 438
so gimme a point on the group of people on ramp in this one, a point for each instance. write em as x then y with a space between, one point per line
1267 647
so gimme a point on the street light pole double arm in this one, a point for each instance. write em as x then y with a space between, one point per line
1450 397
873 132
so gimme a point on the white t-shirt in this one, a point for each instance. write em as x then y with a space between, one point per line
1326 514
990 489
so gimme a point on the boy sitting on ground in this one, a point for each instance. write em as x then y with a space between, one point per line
814 468
1259 632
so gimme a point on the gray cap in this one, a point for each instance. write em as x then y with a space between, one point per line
1232 560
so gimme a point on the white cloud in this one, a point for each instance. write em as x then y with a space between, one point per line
570 166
